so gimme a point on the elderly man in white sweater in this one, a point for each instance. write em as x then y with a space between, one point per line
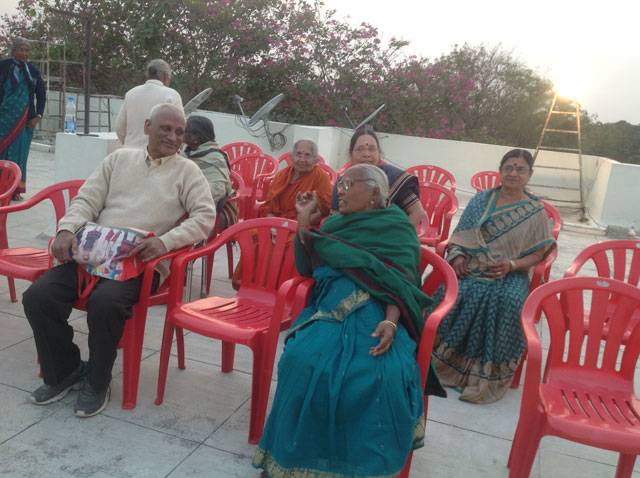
139 101
150 189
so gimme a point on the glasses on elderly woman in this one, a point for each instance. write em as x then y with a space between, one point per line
361 149
346 183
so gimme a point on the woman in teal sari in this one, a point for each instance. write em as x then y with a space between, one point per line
20 83
349 401
501 235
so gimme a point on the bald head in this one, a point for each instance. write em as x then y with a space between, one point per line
165 128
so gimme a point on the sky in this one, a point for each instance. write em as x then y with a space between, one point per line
594 44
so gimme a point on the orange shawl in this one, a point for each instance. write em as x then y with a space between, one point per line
281 197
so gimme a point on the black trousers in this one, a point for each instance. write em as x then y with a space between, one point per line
47 305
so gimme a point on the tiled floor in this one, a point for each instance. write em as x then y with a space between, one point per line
201 428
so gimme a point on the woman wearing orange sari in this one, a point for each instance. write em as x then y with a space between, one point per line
302 176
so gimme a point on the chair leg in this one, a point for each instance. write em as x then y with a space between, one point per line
524 447
165 351
12 289
228 353
625 465
180 344
515 383
406 468
263 358
131 357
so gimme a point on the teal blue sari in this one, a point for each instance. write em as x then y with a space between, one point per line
339 411
479 343
15 136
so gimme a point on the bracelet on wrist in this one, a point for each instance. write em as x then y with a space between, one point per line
393 324
513 265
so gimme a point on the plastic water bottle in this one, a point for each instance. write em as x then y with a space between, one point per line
70 116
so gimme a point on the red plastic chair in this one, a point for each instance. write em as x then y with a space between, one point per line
235 150
427 173
583 395
238 185
439 272
10 176
256 170
618 260
440 204
485 180
330 171
264 305
286 157
541 274
29 263
133 335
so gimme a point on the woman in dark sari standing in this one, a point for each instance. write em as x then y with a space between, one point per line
22 100
349 400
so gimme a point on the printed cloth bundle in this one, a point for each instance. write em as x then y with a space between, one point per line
105 251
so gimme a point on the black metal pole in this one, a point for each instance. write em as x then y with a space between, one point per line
87 77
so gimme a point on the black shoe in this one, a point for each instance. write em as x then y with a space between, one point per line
46 394
90 402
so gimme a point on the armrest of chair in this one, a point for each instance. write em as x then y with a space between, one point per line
291 299
542 269
149 268
534 359
441 248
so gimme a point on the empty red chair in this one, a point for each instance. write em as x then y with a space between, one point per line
618 260
440 204
235 150
485 180
427 173
286 157
264 305
256 170
10 176
439 272
586 393
29 263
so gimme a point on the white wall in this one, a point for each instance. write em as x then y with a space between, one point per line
611 189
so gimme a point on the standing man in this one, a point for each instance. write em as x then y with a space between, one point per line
151 189
139 101
22 99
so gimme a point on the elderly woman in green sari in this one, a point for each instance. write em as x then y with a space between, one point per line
349 400
501 235
20 84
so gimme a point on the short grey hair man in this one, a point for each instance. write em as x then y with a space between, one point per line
159 70
374 177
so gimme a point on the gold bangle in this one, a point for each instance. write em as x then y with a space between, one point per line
513 265
393 324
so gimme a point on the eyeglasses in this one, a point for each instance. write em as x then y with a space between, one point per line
361 149
521 170
346 183
301 155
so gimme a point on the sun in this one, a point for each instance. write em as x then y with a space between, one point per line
570 84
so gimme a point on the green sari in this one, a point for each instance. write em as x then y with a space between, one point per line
338 410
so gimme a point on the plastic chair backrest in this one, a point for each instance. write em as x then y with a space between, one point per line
256 170
236 181
10 176
330 171
427 173
485 180
576 349
235 150
440 204
554 215
267 260
618 260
